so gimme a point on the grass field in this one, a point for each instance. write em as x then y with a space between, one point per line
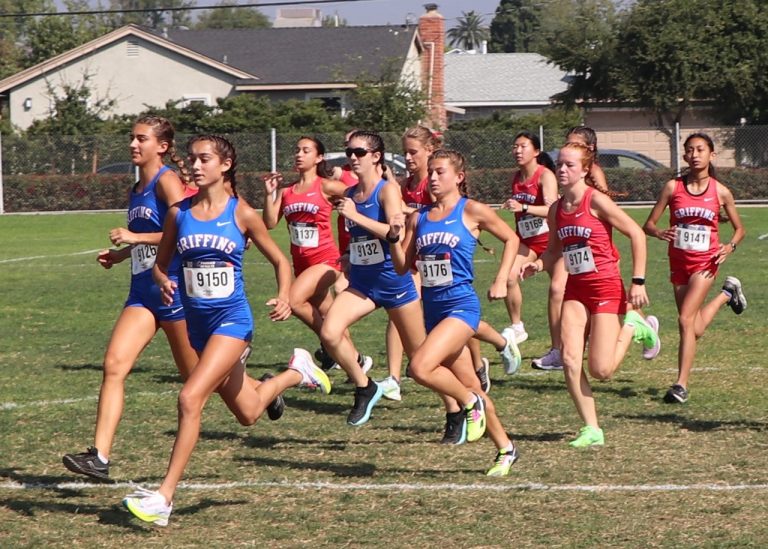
689 475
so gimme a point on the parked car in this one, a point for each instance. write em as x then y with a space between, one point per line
395 162
618 158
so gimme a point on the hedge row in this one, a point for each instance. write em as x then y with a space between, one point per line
31 193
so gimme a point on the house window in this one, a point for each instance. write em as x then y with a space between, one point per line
332 103
189 99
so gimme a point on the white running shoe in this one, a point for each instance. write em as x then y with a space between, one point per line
550 361
510 354
391 388
652 352
520 333
367 363
149 506
312 376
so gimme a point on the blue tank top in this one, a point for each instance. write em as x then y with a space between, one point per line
444 253
146 214
372 253
211 255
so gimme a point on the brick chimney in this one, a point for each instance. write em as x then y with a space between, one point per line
432 33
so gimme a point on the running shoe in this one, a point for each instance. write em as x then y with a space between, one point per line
87 463
365 399
649 353
484 375
503 462
737 302
677 394
275 408
149 506
455 428
550 361
364 361
519 331
644 333
475 419
588 436
391 388
326 361
510 354
312 376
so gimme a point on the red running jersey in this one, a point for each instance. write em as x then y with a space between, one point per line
309 224
417 197
696 219
588 248
532 230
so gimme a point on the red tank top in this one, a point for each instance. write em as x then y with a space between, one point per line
346 176
309 220
696 218
417 197
531 229
588 247
190 191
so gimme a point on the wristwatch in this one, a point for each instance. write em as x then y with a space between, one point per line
525 207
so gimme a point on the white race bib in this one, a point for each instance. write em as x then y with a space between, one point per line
142 257
304 235
209 279
579 259
365 251
531 225
435 270
694 238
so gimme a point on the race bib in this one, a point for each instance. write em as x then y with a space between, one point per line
209 279
365 251
304 235
693 238
531 225
142 258
435 270
579 259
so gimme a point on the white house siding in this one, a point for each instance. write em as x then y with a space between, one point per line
152 76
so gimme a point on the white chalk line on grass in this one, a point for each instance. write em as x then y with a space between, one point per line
412 486
33 257
40 403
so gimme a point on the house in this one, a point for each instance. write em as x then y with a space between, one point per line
137 67
479 84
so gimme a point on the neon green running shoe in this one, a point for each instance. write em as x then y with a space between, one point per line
588 436
644 332
475 419
149 506
312 376
503 463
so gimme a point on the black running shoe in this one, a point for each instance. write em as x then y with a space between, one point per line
455 428
483 375
275 408
326 361
365 399
677 394
87 463
737 302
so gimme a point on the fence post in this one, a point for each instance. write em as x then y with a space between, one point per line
273 160
676 148
2 201
541 137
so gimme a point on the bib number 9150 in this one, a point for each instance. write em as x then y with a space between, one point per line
209 279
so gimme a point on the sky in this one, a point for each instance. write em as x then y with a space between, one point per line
373 12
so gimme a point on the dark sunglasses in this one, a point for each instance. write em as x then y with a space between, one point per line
357 151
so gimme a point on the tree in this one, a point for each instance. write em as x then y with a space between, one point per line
515 27
580 37
47 37
154 14
13 32
470 31
386 104
228 16
333 21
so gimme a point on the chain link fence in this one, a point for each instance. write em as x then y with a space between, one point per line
61 173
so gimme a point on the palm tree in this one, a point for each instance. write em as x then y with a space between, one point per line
469 33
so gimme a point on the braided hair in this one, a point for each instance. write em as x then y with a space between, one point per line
225 151
323 169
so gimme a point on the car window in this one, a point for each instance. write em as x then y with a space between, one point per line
628 162
608 160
